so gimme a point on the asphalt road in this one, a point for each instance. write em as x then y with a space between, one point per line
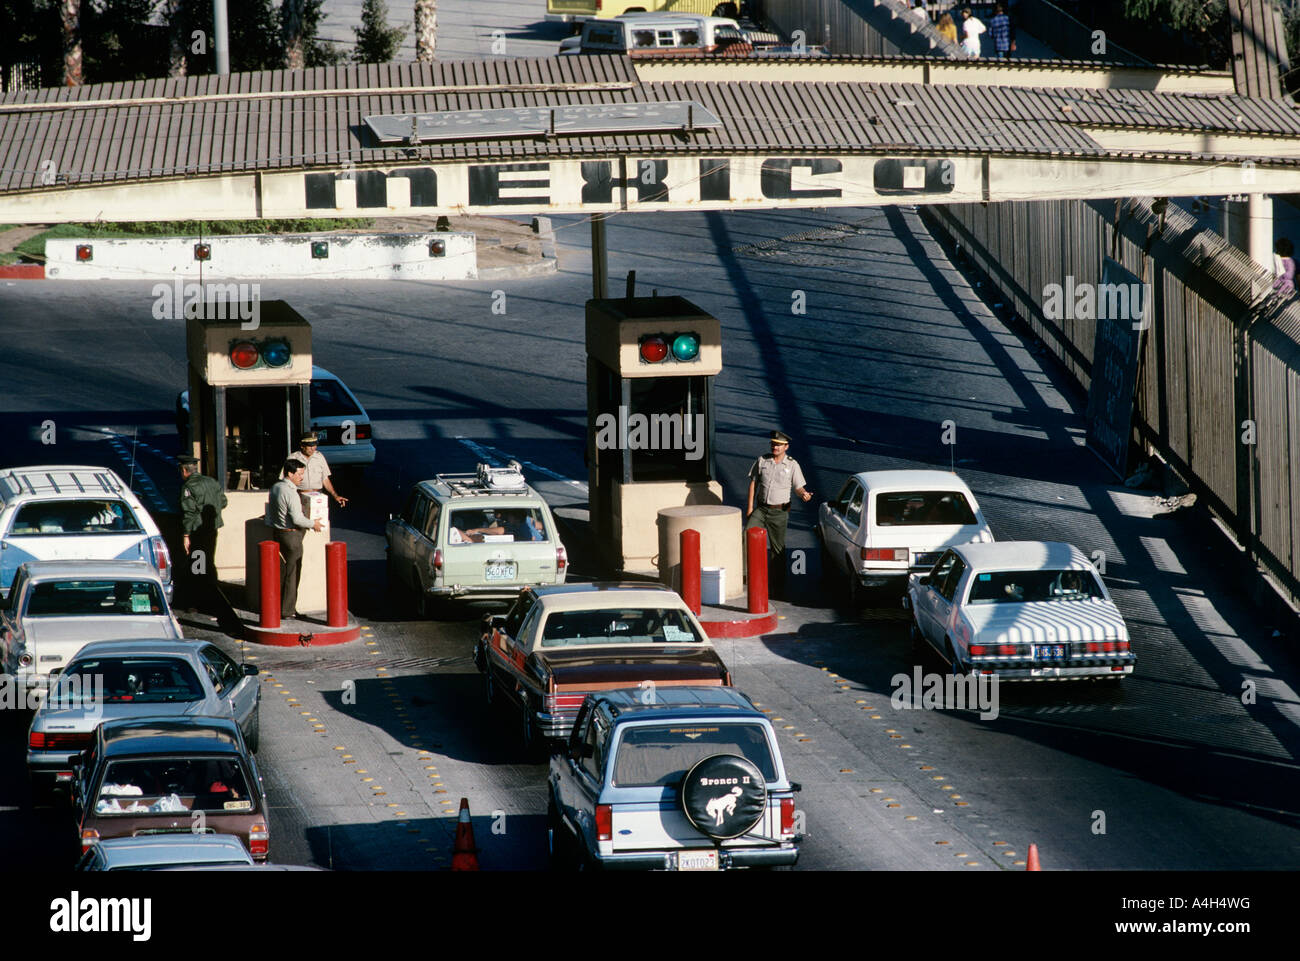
1169 770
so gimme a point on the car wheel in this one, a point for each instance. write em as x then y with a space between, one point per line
914 632
859 597
254 736
489 687
528 734
559 839
423 609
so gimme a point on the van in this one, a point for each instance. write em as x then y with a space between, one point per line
648 35
576 11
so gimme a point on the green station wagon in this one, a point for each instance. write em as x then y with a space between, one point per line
476 536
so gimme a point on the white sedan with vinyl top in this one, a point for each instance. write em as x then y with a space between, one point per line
1023 610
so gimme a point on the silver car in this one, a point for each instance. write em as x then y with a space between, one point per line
167 852
56 607
109 680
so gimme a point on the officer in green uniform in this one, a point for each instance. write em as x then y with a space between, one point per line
202 500
772 480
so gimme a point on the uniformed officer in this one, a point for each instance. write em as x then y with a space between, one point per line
202 501
317 476
772 480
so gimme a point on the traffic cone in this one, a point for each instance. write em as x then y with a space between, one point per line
1033 859
464 855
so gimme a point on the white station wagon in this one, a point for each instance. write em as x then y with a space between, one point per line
1031 610
886 524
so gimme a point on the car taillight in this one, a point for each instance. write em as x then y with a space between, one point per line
162 558
604 822
1122 646
259 840
437 559
363 432
548 703
787 816
36 740
978 650
89 838
561 560
884 553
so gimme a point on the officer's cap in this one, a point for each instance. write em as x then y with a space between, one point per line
780 437
185 460
309 438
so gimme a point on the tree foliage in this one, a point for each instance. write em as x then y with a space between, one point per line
377 42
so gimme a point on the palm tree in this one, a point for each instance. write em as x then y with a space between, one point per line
291 15
177 34
70 14
426 28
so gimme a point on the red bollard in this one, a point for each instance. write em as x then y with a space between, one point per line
336 584
756 561
690 541
269 556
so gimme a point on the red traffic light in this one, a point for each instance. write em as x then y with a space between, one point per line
653 349
85 252
202 252
244 355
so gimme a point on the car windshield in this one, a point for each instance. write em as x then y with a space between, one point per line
639 625
497 525
76 517
661 755
923 508
329 398
1015 587
97 598
141 680
168 785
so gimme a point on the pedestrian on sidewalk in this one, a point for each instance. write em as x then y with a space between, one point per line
202 501
772 479
1284 266
948 28
288 523
971 30
1003 32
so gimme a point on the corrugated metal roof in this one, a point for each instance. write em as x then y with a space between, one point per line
1258 47
278 120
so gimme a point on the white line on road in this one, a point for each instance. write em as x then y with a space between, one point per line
495 454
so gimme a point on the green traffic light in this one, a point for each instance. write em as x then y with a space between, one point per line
686 346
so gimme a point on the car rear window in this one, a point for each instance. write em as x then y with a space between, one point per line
98 598
329 398
661 755
141 680
497 525
1015 587
923 508
89 516
639 625
168 785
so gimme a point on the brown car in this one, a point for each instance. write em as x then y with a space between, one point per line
558 644
171 776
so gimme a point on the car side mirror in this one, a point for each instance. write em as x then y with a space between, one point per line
796 786
251 670
925 579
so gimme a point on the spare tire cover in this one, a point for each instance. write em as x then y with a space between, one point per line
724 796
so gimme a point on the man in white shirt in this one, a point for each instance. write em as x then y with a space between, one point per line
317 475
971 30
288 522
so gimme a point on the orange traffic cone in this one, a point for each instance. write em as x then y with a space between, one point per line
1033 859
464 855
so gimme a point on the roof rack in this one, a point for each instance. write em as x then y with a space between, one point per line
62 480
488 481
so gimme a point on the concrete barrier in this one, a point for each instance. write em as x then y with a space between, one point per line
285 256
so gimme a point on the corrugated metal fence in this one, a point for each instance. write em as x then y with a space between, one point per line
1219 390
864 28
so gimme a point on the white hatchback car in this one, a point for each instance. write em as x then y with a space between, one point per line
1023 610
886 524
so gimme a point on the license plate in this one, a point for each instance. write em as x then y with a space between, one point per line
697 861
1051 652
500 571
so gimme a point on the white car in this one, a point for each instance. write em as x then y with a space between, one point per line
57 607
61 512
886 524
1023 610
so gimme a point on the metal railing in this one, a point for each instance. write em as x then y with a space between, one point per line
1219 396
